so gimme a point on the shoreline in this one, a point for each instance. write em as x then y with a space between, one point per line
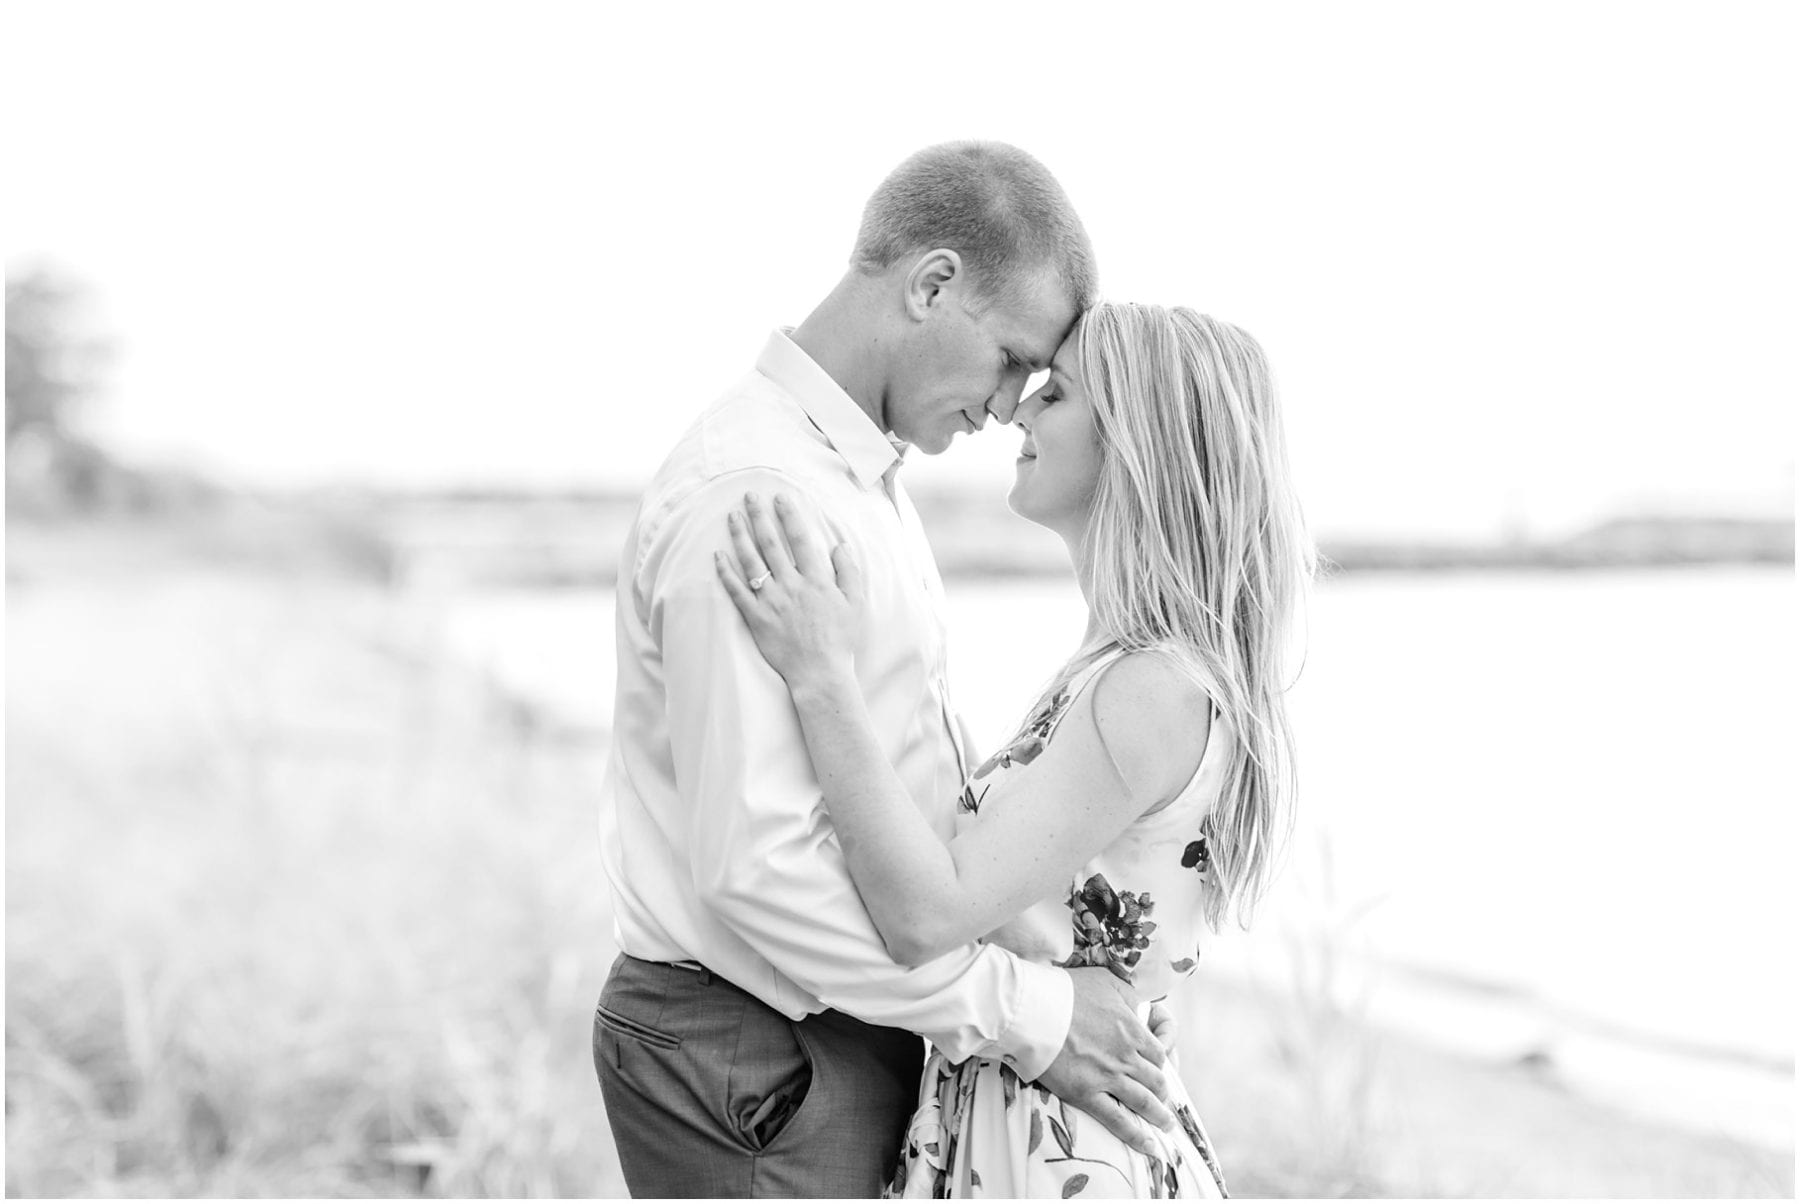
1706 1088
1711 1091
1391 1115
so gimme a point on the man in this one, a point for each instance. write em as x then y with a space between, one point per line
755 1038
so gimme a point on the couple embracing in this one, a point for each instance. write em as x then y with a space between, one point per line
811 867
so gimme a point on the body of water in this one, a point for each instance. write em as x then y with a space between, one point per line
1544 816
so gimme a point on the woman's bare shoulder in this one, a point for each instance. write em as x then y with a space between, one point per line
1154 719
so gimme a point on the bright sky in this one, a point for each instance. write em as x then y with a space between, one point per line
1513 262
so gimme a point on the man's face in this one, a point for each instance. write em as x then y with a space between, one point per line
961 367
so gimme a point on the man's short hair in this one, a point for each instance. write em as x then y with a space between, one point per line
994 205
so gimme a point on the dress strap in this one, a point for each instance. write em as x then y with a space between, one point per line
1081 680
1064 702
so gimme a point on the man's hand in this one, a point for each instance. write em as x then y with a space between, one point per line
1110 1064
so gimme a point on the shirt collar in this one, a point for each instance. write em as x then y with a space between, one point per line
869 453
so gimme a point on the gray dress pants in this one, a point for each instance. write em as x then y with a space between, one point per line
711 1092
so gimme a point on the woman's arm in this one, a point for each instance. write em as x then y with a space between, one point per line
1127 745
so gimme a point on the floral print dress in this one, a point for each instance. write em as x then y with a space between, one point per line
979 1131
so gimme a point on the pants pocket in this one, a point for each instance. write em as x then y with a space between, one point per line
772 1078
632 1030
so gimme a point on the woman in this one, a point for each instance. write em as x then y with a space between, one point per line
1143 798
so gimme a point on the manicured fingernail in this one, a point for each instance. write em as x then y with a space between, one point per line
781 501
731 519
751 498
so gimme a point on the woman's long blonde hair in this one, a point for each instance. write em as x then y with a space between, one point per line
1198 548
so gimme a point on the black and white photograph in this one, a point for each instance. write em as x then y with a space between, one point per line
817 601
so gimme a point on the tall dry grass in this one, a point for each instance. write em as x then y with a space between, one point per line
323 918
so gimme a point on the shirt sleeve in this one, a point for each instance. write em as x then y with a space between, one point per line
764 857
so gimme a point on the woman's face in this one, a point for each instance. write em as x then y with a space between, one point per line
1059 466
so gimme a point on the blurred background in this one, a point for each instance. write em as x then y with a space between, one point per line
340 338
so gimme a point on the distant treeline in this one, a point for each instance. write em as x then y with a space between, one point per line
574 538
1619 542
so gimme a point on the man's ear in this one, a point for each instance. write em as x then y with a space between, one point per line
929 281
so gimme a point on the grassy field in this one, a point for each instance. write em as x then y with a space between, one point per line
292 909
297 907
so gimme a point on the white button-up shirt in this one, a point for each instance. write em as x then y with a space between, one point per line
713 828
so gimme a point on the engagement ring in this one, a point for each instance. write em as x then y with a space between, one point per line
759 582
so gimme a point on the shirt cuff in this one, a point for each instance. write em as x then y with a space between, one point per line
1043 1006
